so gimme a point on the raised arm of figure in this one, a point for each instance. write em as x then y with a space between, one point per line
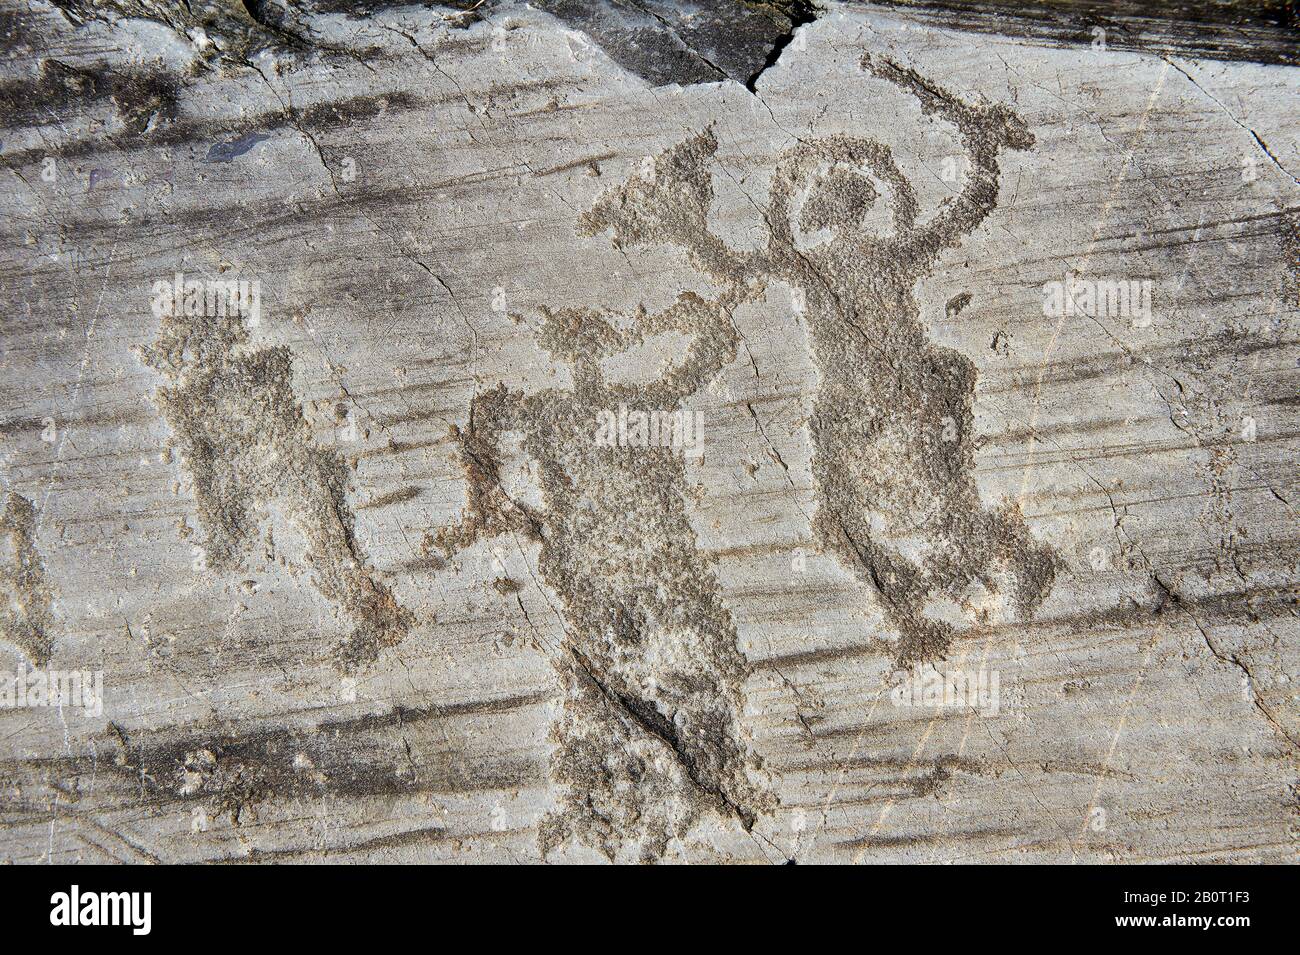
583 337
667 203
985 130
489 509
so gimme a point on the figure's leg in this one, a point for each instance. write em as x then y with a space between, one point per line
674 669
977 548
619 784
894 472
843 526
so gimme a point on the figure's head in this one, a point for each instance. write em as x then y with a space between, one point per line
837 199
835 186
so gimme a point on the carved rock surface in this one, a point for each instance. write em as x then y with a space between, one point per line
591 431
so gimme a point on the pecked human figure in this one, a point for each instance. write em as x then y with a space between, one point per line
893 458
649 735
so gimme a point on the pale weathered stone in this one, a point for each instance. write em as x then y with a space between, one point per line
962 355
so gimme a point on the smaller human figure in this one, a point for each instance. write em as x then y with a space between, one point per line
242 436
650 735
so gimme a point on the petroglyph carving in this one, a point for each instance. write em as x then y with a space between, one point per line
893 457
650 733
26 604
242 436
